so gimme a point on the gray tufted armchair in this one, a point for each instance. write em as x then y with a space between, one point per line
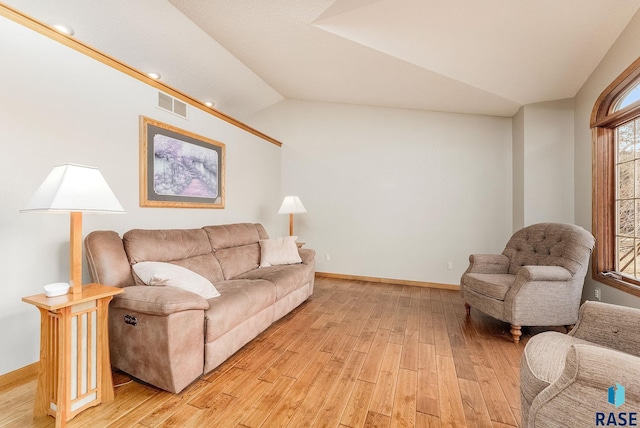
536 281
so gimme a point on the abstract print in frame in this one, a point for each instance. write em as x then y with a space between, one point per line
179 169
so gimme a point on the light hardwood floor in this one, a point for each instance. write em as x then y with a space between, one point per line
355 354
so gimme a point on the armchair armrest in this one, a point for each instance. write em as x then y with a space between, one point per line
158 300
544 273
307 255
588 373
488 263
609 325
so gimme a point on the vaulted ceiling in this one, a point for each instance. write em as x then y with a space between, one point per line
482 57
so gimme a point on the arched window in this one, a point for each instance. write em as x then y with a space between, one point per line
615 122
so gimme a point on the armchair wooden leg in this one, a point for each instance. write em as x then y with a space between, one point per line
468 308
516 332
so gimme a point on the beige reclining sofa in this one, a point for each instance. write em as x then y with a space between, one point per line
168 336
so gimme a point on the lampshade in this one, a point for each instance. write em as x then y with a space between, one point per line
291 205
74 188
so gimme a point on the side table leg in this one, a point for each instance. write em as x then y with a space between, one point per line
43 392
104 359
64 367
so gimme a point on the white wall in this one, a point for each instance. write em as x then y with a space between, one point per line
548 162
518 170
395 193
58 106
543 163
625 50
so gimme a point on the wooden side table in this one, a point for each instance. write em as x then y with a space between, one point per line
74 372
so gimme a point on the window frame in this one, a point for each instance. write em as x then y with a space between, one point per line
603 124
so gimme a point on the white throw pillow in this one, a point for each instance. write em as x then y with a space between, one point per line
279 251
159 273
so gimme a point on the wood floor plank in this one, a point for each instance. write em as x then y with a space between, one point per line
376 420
427 334
383 393
427 421
441 337
507 376
413 320
208 397
404 404
399 325
494 398
233 412
475 410
286 407
344 349
464 365
409 358
265 404
357 407
271 373
451 409
333 408
427 390
372 363
183 416
316 395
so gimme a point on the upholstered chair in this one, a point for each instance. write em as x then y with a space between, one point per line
536 281
580 378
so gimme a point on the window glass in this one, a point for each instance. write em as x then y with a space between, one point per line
628 98
627 199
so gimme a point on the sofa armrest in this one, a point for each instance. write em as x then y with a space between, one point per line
307 255
158 300
488 263
609 325
581 390
544 273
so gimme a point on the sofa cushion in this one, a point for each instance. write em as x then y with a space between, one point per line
236 247
543 361
239 300
286 278
189 248
234 235
238 260
279 251
494 285
160 273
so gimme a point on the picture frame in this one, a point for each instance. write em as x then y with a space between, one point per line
179 169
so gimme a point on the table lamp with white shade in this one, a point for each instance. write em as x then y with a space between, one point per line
291 205
74 189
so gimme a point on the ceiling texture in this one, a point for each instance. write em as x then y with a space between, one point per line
484 57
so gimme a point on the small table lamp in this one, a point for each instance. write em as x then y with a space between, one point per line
74 189
291 205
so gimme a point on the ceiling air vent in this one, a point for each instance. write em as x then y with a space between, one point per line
171 104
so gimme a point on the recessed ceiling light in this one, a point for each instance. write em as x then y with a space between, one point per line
62 27
209 104
153 75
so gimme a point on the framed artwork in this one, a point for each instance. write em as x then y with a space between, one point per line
179 169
